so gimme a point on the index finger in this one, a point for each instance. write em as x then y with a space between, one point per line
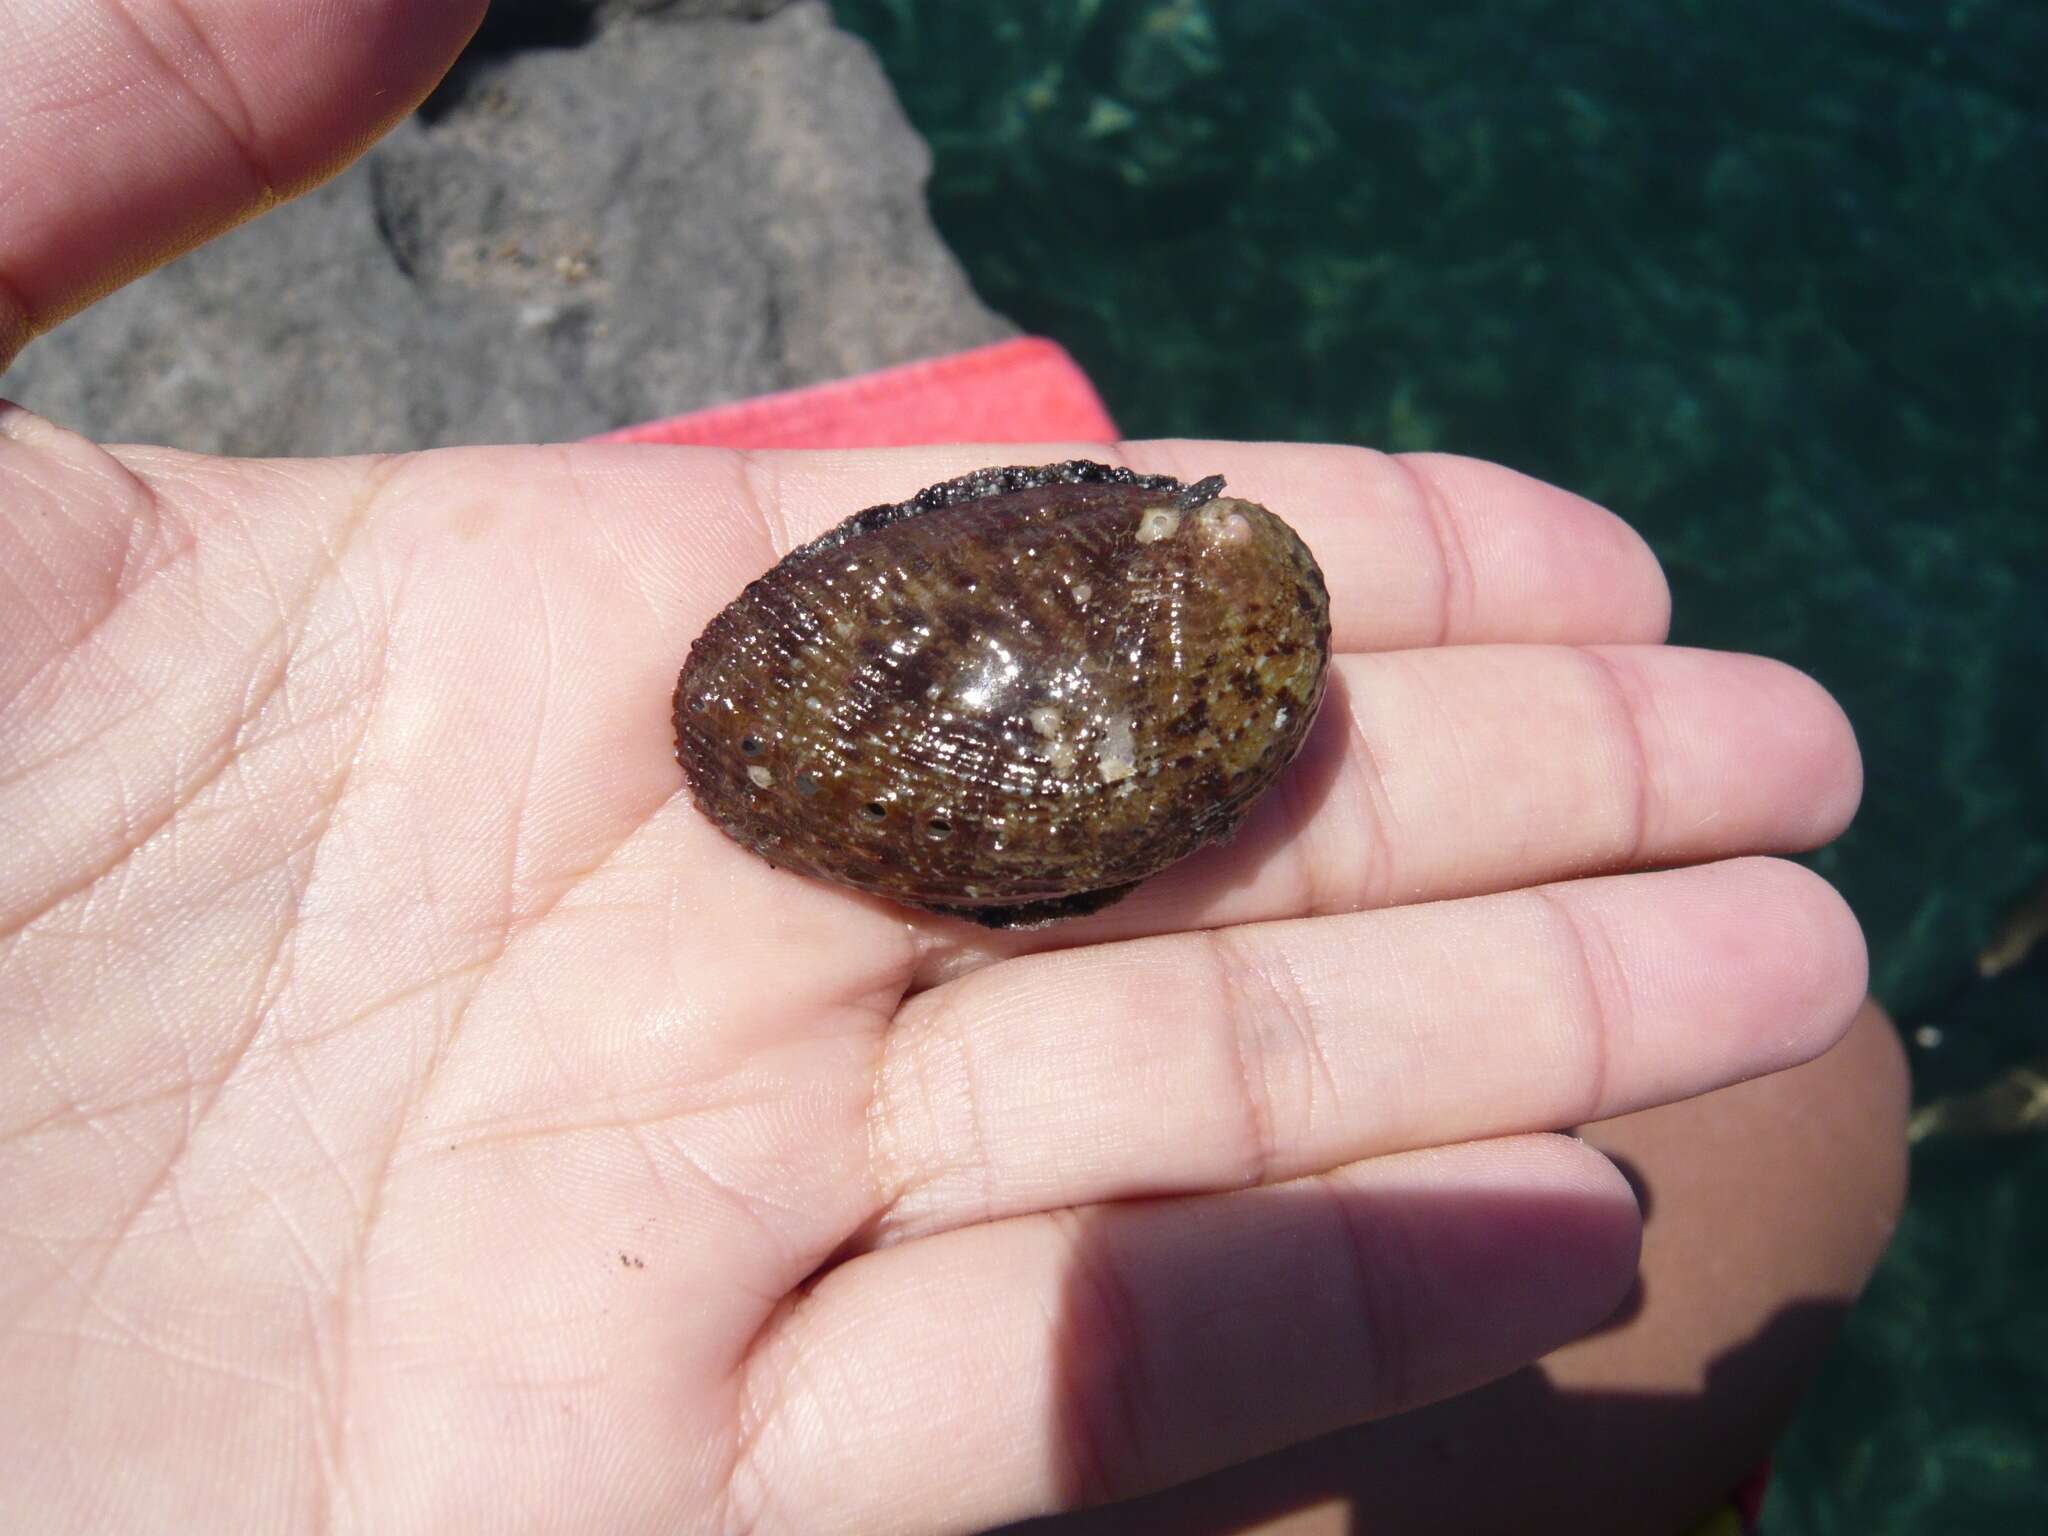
1418 549
1428 549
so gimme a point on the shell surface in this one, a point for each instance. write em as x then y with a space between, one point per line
1013 696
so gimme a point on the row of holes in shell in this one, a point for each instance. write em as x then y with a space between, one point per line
935 827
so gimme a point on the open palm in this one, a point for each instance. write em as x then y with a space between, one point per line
414 1114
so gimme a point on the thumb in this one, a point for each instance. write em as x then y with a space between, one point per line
133 130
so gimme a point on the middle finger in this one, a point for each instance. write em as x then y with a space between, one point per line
1462 770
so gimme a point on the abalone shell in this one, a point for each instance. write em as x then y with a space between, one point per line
1013 696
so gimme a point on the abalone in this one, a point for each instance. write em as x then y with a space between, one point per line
1013 696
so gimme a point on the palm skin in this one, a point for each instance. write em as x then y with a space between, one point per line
416 1116
416 1105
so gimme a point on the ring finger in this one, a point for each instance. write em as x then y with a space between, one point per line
1241 1057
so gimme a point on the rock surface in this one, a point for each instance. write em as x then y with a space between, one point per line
663 208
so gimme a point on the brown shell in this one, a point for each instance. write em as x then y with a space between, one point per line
1013 696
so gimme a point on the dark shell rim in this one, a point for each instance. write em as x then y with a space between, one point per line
1006 480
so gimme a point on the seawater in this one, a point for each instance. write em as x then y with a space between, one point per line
1768 279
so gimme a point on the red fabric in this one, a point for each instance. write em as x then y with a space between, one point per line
1749 1498
1022 391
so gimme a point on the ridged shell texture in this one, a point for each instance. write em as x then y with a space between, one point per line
1013 696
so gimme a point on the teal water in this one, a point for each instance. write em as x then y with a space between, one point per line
1769 279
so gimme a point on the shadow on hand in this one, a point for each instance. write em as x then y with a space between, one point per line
1224 1330
1192 891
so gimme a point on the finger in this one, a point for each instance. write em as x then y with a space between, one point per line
1078 1358
1766 1208
1461 770
1245 1056
1418 549
132 131
1433 549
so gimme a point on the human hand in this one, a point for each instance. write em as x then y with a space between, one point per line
418 1116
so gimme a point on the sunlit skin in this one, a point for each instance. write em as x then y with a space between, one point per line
414 1115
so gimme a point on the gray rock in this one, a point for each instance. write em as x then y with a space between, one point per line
677 212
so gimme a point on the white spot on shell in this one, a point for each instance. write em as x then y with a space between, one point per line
1280 719
1059 746
814 702
1117 757
761 776
1082 592
1157 523
1225 524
